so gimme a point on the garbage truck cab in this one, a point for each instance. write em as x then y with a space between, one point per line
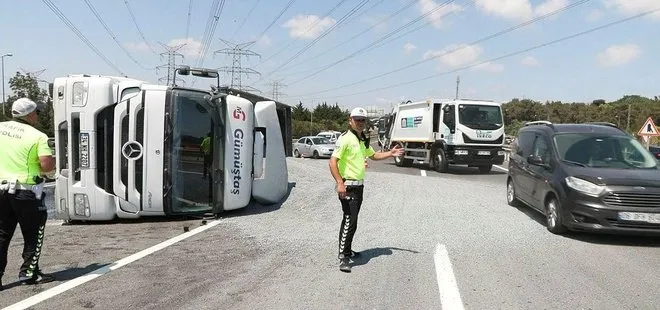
130 149
440 132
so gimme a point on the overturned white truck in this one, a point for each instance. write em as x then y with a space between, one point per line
441 132
130 149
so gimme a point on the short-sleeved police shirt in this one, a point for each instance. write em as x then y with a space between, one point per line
351 153
22 145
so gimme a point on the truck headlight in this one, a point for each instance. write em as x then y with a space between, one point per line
79 94
81 205
584 186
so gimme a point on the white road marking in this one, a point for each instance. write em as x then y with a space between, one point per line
502 168
423 173
450 298
29 302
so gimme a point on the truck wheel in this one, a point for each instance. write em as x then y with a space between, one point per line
440 161
401 161
485 169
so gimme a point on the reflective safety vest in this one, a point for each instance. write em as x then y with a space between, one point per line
21 145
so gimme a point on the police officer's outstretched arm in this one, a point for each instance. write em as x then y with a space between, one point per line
395 152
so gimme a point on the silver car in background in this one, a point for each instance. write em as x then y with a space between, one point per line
313 146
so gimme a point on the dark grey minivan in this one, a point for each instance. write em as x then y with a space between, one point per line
588 177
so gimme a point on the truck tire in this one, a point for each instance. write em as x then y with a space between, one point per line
440 160
485 169
400 161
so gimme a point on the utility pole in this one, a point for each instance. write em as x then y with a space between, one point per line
458 83
2 59
277 85
236 70
628 127
171 52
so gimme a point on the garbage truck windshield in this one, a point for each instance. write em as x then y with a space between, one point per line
484 117
191 128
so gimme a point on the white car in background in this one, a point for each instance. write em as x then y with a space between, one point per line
313 146
330 135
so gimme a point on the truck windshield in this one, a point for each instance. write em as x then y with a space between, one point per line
484 117
192 153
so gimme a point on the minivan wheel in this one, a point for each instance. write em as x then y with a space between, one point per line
553 217
511 198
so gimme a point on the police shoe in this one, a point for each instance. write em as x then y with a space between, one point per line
344 266
39 278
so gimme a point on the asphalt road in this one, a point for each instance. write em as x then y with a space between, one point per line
440 241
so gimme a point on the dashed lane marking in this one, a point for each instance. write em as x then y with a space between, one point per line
501 168
423 173
450 298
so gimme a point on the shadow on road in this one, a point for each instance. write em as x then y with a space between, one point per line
452 170
367 255
611 239
256 208
596 237
64 274
253 208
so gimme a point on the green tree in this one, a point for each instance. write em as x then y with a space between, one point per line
24 85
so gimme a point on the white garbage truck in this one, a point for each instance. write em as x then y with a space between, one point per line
440 132
131 149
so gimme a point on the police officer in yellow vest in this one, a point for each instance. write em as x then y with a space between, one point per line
347 165
24 158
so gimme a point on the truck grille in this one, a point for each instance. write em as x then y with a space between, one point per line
467 139
633 199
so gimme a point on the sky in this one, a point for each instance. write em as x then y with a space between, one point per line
432 42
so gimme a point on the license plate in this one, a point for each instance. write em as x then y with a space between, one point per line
84 150
653 218
483 153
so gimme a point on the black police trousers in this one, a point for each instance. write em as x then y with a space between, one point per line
350 206
30 213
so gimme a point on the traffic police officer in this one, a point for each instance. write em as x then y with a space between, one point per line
347 165
24 157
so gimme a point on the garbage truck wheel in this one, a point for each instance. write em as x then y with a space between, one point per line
440 161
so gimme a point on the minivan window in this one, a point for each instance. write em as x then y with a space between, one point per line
541 149
524 142
598 151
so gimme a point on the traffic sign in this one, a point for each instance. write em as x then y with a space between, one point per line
649 128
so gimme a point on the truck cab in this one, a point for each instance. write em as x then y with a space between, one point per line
130 149
440 132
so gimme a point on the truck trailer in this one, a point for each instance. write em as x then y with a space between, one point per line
440 132
131 149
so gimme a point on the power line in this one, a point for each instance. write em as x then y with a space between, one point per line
370 46
502 57
309 45
112 35
316 57
171 52
138 27
188 21
81 36
245 19
209 31
288 5
310 28
236 70
447 52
